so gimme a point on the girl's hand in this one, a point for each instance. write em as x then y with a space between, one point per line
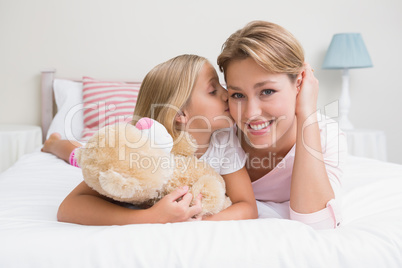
306 101
169 209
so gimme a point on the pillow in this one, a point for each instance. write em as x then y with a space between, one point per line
68 120
106 103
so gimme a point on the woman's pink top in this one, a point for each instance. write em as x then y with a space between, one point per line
275 186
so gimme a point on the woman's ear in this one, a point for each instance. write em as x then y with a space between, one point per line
299 80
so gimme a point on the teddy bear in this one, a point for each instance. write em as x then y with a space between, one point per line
141 164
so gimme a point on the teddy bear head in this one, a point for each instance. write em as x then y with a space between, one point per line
128 163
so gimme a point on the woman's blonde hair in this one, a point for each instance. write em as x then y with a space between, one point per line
166 90
271 46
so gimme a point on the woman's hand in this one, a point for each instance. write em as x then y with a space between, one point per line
310 189
306 101
171 209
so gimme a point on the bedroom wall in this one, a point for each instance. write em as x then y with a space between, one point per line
123 39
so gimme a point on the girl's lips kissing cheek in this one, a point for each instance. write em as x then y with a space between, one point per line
260 127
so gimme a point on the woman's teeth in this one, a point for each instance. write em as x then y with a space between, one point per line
260 126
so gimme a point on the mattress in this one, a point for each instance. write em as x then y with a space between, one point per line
30 235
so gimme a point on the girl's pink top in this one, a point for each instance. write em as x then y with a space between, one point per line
275 186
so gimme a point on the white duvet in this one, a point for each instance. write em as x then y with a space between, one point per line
30 236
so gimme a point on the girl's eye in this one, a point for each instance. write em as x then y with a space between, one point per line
237 96
213 89
267 92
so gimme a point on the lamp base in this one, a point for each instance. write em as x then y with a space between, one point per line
344 123
344 102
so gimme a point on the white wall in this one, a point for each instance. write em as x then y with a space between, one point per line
123 39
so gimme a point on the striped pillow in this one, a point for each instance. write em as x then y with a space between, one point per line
106 103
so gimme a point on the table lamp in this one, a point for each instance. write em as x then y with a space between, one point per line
346 51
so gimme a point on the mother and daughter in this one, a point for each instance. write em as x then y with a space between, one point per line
288 154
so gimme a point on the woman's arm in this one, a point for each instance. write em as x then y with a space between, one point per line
310 187
85 206
240 191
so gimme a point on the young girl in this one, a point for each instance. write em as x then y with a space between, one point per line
183 94
293 154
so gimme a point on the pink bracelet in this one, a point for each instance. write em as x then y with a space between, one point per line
72 159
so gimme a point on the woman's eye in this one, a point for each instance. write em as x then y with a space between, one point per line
267 92
236 96
213 92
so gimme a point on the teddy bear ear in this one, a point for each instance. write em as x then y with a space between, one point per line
116 185
144 123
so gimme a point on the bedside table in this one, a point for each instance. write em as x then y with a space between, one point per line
17 140
367 143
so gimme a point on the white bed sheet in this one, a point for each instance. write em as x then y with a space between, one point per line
30 236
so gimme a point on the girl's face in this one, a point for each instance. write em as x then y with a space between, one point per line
261 103
208 105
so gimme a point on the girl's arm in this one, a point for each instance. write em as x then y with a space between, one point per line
240 191
86 206
310 186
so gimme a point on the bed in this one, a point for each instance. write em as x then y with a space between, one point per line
30 236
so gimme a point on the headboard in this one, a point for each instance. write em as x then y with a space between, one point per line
47 96
49 108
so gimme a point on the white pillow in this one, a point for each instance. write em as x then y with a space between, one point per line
68 120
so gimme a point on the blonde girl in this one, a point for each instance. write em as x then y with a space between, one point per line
294 154
183 94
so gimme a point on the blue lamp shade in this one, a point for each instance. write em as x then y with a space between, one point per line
347 50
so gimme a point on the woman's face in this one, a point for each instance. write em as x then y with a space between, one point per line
208 106
261 103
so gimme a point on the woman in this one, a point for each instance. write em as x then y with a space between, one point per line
292 154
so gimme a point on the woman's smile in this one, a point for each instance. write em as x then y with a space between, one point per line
259 127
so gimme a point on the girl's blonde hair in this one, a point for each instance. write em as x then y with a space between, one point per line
166 90
273 48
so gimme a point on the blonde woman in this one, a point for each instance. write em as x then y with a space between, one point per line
294 154
183 93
